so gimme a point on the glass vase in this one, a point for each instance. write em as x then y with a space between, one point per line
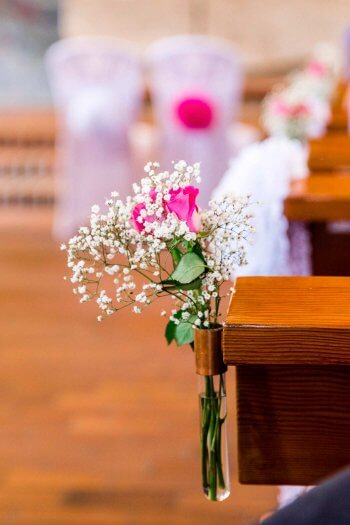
213 414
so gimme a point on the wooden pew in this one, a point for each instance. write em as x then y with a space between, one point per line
325 196
319 199
339 119
338 122
331 145
329 153
289 339
324 203
27 126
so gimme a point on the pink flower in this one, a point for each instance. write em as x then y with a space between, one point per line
136 214
279 107
299 110
316 68
183 203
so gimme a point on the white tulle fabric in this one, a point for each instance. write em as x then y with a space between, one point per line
265 171
192 66
96 85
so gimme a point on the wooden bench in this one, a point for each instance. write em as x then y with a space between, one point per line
323 200
338 122
329 153
339 119
324 203
289 339
319 198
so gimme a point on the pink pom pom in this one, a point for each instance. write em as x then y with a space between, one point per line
195 113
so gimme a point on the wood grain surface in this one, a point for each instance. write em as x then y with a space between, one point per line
339 119
289 320
339 122
27 125
98 421
294 423
27 173
319 199
290 340
330 254
331 152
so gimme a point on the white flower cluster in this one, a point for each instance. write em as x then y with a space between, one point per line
228 222
300 107
125 257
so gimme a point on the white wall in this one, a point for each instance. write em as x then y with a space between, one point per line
270 33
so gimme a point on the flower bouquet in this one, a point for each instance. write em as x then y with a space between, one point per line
156 244
295 112
299 108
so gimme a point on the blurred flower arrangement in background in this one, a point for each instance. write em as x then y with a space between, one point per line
300 107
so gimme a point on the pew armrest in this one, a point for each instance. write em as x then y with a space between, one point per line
289 320
289 338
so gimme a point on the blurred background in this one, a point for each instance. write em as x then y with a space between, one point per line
98 421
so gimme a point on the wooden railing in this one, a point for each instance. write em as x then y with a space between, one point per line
289 339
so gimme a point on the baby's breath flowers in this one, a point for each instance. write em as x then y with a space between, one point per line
160 237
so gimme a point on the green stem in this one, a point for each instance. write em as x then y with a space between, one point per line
211 434
206 414
212 452
222 393
204 450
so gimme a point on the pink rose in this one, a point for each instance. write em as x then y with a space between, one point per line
295 110
299 110
136 213
279 107
183 203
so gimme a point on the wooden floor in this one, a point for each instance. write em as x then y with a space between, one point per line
98 421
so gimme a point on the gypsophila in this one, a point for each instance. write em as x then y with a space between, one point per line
158 243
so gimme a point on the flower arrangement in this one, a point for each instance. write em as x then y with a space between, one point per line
160 237
300 107
162 219
295 113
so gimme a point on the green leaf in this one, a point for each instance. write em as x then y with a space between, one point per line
170 285
176 255
184 333
189 268
170 332
188 245
198 251
193 285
